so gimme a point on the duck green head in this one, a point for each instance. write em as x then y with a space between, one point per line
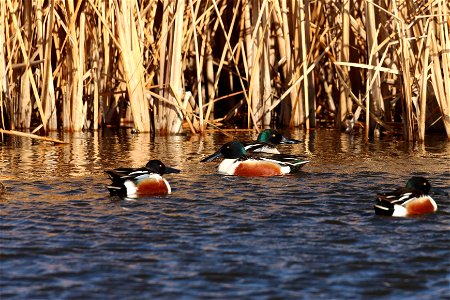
274 137
418 183
157 166
234 149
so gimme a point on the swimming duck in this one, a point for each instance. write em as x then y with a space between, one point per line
237 162
267 140
413 199
145 181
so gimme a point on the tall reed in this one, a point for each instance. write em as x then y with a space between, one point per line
168 66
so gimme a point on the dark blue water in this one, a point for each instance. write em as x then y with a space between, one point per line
309 236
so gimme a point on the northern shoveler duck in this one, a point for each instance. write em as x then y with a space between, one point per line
413 199
236 162
267 139
145 181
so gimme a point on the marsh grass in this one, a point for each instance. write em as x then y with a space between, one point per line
167 66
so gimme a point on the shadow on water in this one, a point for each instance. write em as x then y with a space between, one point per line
309 235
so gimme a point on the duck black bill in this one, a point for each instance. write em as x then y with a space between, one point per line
170 170
212 157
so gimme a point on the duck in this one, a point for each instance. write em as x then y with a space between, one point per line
144 181
267 141
237 162
413 199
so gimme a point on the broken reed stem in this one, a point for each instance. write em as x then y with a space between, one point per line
30 135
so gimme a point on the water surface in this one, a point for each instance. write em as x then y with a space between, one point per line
308 236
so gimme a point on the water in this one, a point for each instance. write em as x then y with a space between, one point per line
309 236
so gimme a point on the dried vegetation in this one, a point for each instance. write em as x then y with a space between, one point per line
167 66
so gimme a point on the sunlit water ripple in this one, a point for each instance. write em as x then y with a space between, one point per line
308 236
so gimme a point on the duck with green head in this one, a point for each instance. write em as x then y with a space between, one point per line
145 181
413 199
267 141
237 162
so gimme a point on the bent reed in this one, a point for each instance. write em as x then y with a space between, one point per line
167 66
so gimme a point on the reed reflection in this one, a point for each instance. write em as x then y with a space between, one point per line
91 153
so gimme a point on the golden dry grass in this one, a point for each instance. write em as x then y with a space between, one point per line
89 64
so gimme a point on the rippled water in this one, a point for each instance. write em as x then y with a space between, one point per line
308 236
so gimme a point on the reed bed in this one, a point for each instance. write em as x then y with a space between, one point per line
167 66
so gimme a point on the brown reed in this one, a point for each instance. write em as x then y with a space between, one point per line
167 66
